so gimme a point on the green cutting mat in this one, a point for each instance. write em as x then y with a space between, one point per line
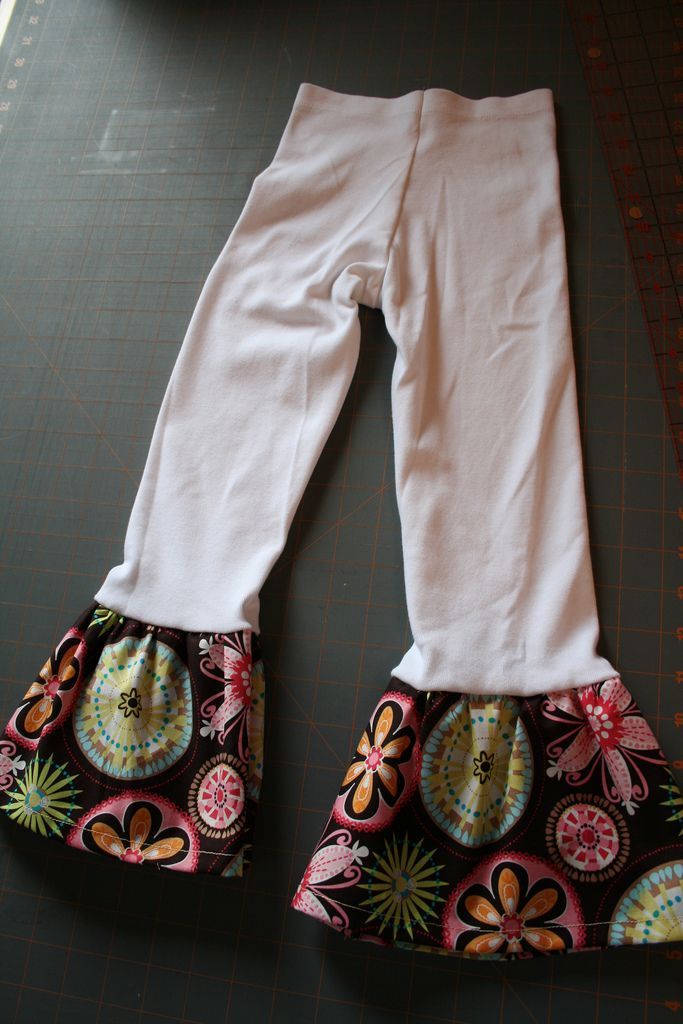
131 133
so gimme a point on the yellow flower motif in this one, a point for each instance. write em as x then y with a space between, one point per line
44 798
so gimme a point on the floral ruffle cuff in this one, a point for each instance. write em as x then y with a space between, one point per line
502 827
480 826
141 743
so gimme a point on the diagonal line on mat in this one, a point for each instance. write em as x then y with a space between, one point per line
77 401
286 562
510 987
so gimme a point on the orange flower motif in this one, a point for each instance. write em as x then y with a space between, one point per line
375 765
513 924
55 683
132 848
514 917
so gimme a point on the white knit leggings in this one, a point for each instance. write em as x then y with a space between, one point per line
444 212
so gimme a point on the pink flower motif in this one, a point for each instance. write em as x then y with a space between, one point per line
11 763
336 859
229 707
374 759
606 729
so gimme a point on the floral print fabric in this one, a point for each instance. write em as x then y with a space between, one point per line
141 743
479 826
502 828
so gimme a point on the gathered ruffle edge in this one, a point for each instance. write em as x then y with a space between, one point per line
501 827
491 827
142 743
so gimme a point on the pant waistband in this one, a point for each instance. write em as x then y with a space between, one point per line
425 101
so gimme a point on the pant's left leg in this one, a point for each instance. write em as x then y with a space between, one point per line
507 798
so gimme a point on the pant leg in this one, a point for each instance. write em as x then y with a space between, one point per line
265 366
488 458
506 798
142 735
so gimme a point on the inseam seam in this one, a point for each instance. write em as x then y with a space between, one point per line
401 200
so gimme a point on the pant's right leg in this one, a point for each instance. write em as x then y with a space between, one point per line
142 735
265 365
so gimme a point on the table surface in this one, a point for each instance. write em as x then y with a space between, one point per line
131 133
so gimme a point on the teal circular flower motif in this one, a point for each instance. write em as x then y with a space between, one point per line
133 717
477 770
651 910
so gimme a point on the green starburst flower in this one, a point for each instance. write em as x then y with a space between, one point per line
105 618
403 886
43 798
675 802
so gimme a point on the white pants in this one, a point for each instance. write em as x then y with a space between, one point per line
504 818
444 212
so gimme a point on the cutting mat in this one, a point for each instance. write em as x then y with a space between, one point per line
131 132
633 63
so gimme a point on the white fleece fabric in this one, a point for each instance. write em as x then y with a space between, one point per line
444 212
